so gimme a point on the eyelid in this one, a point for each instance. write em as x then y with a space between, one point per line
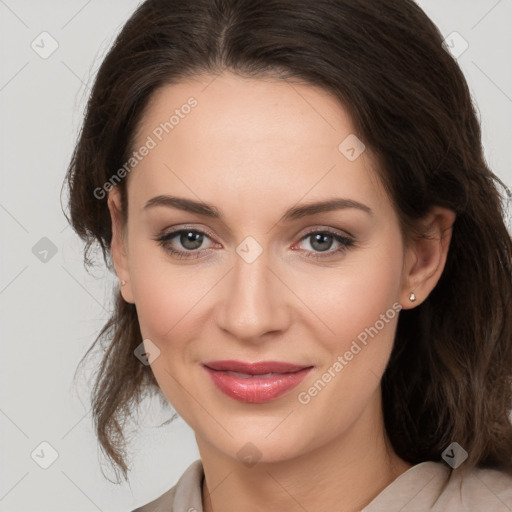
324 229
175 230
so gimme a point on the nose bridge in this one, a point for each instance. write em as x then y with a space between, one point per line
252 302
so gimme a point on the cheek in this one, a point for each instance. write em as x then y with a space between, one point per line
166 294
356 295
367 297
168 300
361 308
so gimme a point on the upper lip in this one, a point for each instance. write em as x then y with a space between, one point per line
259 368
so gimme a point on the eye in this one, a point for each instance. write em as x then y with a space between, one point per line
190 243
189 239
322 241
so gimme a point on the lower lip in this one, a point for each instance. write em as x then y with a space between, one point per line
256 389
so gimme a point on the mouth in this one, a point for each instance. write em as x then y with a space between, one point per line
255 382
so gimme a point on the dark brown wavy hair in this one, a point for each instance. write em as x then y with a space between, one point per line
449 377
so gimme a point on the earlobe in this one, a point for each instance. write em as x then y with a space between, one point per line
118 245
426 256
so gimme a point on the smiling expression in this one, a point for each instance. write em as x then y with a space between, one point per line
252 237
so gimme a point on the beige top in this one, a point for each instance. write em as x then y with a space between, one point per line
420 488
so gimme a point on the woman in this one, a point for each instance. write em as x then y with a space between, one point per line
226 141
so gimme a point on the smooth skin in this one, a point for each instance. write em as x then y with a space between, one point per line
253 148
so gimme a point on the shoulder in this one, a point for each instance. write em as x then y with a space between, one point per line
480 489
184 495
434 486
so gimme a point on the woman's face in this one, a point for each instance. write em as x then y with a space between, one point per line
263 279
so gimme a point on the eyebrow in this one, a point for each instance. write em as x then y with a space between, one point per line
293 213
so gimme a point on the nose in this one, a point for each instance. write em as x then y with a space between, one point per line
254 301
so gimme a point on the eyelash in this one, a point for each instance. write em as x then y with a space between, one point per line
164 239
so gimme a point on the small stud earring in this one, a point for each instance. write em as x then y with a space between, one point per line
123 283
412 297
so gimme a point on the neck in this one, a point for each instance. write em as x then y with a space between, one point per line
344 474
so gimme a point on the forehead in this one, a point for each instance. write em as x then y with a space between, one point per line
254 137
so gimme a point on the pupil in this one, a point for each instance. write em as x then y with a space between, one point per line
320 238
191 240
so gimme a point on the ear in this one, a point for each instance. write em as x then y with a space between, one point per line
119 244
425 256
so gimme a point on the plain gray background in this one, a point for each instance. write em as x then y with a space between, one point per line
52 308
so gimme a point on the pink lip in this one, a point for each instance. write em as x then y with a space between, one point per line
254 387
